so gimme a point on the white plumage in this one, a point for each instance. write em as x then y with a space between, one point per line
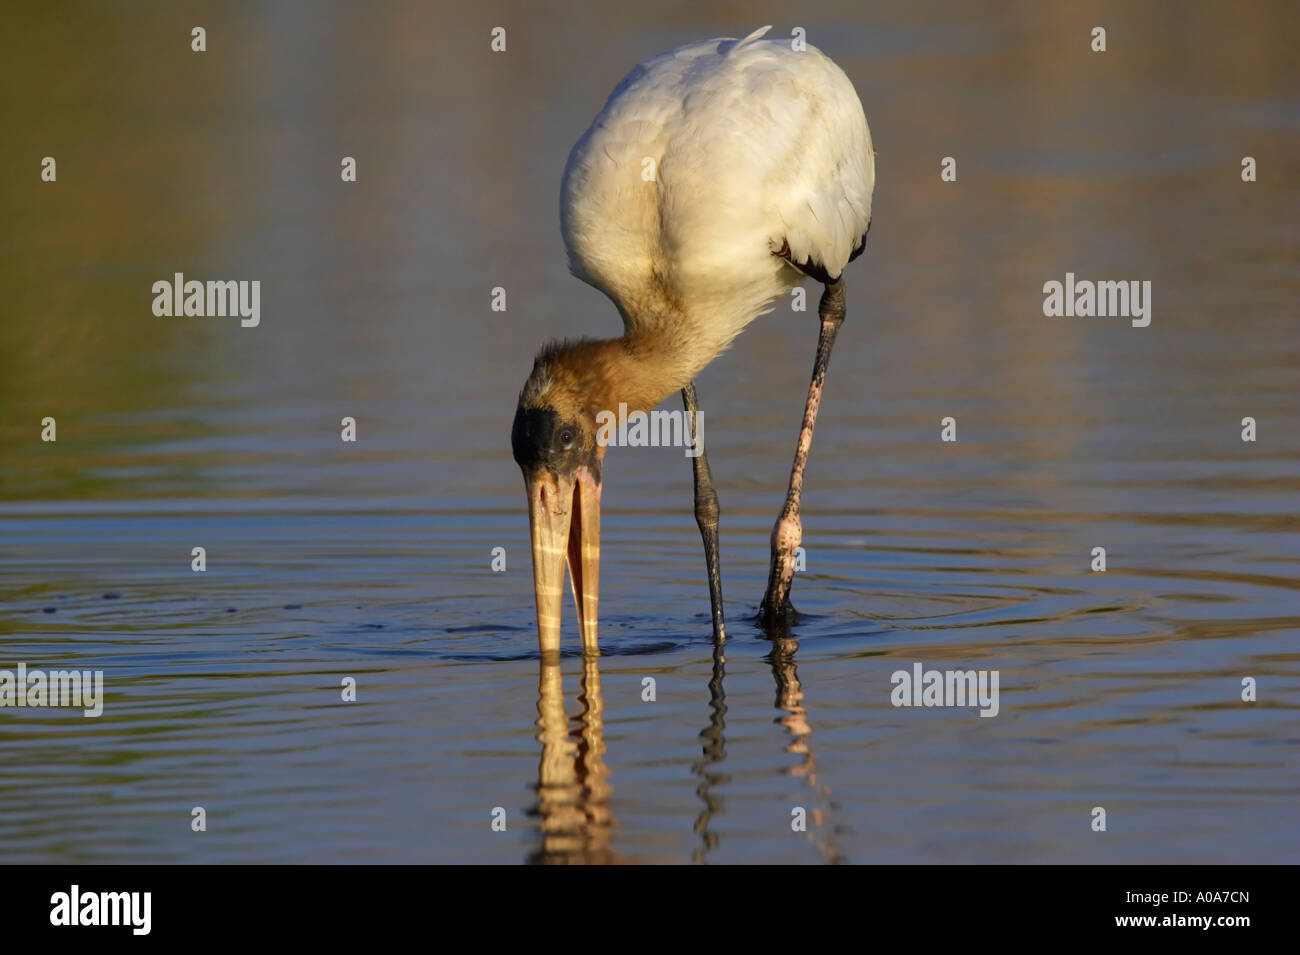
756 150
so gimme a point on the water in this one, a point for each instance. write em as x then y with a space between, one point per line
373 560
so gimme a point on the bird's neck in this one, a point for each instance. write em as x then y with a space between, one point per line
638 371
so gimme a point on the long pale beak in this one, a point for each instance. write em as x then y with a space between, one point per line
564 520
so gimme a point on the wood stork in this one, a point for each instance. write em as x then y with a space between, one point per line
762 171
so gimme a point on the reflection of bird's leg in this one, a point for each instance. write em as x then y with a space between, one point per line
789 697
715 751
706 511
775 611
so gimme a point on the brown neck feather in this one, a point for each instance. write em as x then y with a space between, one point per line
633 370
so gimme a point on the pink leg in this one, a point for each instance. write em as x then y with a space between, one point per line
775 611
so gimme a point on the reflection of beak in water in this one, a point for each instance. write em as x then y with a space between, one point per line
789 698
715 751
572 781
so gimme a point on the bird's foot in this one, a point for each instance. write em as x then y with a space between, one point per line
777 617
775 613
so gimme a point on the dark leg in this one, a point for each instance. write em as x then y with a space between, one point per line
706 515
775 611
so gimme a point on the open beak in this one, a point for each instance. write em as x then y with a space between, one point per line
564 520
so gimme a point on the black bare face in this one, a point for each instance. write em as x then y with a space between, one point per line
541 440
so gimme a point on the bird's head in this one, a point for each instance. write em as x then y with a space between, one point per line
554 443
